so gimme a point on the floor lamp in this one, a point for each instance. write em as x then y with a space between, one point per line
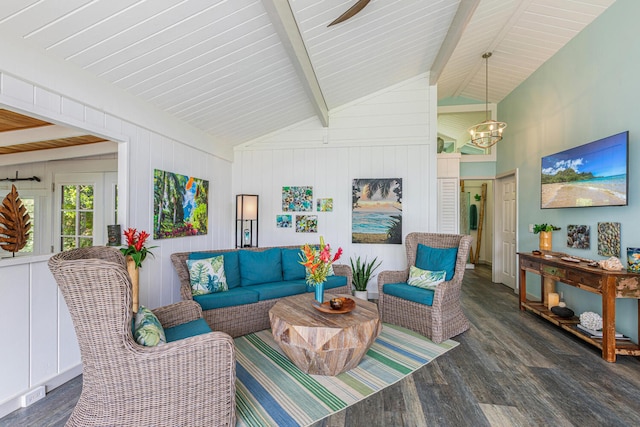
246 220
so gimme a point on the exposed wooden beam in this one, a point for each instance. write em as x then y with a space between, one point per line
286 27
463 15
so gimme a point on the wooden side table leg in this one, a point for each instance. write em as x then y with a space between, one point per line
609 321
523 288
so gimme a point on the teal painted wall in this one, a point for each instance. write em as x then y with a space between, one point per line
477 169
587 91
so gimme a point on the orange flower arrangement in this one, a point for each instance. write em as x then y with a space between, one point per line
318 261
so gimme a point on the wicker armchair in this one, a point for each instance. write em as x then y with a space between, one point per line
444 318
189 382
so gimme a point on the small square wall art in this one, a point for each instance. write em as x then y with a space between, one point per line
325 205
297 199
579 236
283 221
609 239
306 223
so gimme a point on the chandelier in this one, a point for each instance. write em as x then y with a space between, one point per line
489 132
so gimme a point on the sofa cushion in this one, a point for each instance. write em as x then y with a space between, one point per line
260 266
280 289
186 330
207 275
235 296
411 293
291 267
332 282
231 265
425 279
147 330
436 259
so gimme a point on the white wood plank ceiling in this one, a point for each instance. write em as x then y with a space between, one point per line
239 69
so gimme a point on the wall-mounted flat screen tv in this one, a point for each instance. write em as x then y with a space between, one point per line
593 174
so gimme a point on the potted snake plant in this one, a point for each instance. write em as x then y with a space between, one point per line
362 271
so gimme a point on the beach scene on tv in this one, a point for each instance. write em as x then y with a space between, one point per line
593 174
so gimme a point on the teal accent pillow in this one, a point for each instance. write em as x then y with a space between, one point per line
437 259
207 275
291 267
425 279
231 266
147 330
260 266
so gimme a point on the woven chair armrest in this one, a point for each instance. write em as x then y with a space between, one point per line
446 292
392 277
210 346
344 270
178 313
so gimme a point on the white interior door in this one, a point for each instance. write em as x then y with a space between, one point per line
506 229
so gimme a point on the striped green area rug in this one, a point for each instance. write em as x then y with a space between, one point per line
272 391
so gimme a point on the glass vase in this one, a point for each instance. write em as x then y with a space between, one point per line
319 288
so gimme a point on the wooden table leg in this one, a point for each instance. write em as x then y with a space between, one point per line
523 288
609 321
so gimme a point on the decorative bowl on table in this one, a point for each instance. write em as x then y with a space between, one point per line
337 305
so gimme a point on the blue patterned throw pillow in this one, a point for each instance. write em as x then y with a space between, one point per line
425 279
207 275
147 330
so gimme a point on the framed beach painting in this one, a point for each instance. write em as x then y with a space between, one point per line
180 205
376 211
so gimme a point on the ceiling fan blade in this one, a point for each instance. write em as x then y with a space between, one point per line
353 10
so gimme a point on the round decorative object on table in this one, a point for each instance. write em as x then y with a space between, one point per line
347 305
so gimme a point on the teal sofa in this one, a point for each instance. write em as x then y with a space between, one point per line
257 278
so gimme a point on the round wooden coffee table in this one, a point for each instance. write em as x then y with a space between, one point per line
323 343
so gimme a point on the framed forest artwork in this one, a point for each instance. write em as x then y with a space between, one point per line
180 205
376 211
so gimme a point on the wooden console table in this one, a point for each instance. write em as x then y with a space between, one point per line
609 284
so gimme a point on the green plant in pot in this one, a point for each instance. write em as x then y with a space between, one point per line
545 231
362 271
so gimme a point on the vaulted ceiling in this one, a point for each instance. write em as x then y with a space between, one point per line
239 69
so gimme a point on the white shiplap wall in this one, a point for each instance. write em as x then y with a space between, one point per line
42 350
390 134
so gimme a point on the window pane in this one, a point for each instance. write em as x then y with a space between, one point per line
68 224
29 204
86 197
68 243
69 196
85 243
85 225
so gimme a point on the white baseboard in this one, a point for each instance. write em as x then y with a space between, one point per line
15 402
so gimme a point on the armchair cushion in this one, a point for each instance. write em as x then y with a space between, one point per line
410 293
148 331
436 259
207 275
425 279
186 330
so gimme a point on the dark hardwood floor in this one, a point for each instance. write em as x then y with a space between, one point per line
510 369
